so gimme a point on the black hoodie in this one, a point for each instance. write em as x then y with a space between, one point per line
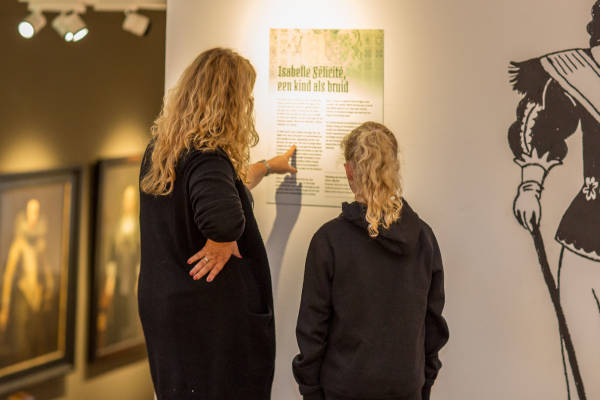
370 324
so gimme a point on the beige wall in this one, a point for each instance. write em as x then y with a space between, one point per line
71 104
448 99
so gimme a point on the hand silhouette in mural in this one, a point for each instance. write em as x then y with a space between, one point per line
561 91
527 207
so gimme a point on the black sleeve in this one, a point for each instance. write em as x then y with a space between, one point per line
436 329
313 319
543 124
215 201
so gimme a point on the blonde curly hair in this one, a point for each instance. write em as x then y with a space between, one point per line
372 151
210 107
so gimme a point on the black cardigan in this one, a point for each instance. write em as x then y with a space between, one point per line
209 341
370 323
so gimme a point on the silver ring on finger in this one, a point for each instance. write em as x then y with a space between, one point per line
205 259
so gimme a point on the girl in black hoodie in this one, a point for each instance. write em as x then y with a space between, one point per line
370 324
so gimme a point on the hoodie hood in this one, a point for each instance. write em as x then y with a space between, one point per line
400 238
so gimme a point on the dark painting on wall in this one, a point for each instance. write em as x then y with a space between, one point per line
115 327
560 97
38 247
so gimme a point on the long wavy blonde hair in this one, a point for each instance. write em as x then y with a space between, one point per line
372 151
210 107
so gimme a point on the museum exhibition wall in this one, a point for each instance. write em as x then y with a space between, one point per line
76 117
448 98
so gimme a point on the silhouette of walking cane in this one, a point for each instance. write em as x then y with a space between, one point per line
562 323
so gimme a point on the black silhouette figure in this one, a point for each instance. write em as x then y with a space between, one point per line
561 91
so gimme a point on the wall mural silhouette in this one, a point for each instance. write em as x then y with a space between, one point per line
561 92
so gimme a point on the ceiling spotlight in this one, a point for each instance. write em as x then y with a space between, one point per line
60 26
136 23
70 27
32 24
77 27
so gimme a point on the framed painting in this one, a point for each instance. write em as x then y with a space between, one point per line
114 324
39 217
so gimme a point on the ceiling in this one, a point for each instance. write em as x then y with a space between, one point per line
98 5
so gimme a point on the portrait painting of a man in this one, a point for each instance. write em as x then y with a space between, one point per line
35 271
117 258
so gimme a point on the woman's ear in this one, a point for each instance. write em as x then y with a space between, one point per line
349 171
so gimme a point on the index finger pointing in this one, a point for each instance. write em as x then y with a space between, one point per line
290 152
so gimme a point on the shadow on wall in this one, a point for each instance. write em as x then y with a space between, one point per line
286 216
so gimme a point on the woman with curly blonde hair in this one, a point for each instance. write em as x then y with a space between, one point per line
370 324
213 338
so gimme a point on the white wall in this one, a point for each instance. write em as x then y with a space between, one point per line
448 100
